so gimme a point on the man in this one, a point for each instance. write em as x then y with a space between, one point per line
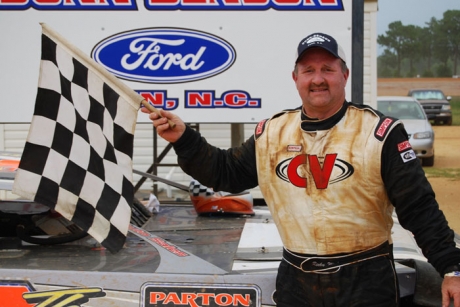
331 173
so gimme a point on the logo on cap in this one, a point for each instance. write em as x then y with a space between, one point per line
314 39
321 40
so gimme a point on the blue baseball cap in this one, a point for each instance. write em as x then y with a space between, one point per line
320 40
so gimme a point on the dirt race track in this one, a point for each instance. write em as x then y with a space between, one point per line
447 155
446 145
401 86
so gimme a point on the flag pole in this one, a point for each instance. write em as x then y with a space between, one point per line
153 109
114 82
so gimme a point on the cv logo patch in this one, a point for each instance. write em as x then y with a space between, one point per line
324 170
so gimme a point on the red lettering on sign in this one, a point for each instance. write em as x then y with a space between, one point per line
21 2
172 298
239 299
205 298
155 297
255 2
293 2
155 99
185 2
189 299
174 4
68 3
230 99
47 2
93 2
163 2
203 99
223 299
159 99
235 99
244 4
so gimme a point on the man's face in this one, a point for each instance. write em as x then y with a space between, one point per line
320 81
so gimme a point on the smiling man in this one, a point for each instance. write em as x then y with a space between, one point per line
320 76
331 173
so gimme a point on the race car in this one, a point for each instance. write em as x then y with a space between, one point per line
181 255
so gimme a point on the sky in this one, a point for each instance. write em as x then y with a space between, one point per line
411 12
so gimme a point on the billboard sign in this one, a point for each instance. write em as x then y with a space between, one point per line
209 61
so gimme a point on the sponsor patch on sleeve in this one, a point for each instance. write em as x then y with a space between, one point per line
408 156
403 146
382 129
260 128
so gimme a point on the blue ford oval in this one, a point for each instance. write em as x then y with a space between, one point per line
164 55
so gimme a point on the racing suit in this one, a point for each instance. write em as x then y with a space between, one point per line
331 186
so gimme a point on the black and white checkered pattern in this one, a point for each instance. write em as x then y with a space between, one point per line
78 155
197 189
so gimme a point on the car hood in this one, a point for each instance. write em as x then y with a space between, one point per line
422 101
416 125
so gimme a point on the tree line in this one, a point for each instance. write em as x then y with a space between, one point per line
413 51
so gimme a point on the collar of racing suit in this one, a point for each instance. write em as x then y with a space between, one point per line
314 124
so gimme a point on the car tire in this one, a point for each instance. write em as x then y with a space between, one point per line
448 122
428 161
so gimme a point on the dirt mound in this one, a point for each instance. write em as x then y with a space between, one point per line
446 148
401 86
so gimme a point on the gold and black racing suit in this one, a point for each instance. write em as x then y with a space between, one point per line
331 186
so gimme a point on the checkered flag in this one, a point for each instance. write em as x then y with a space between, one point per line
197 189
77 158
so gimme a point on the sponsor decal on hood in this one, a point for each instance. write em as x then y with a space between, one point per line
196 295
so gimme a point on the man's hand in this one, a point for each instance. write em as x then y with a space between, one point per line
451 290
163 125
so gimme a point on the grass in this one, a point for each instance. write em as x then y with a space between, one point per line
451 173
455 104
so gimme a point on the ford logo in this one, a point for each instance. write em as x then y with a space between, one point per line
164 55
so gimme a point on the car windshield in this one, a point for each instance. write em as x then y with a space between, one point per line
425 95
401 109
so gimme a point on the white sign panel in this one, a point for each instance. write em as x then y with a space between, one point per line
209 61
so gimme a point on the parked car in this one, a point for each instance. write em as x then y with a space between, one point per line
410 112
435 103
